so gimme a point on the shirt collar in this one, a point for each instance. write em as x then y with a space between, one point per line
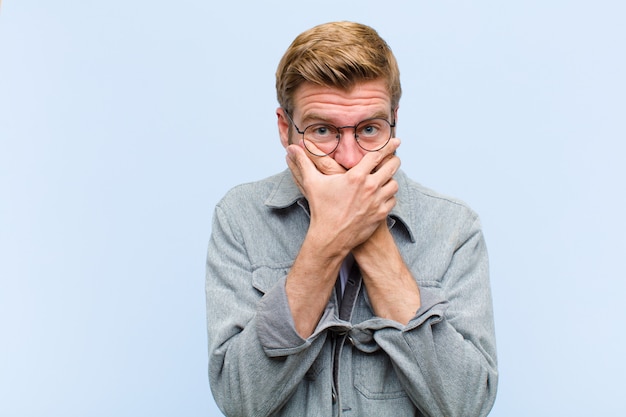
286 193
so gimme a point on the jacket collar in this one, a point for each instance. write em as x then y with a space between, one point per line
286 193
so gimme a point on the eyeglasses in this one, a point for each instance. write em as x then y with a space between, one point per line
370 134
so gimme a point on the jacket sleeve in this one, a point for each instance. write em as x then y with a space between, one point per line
446 356
244 378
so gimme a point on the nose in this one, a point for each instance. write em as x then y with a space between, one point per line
348 153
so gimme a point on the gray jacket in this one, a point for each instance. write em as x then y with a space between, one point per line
443 363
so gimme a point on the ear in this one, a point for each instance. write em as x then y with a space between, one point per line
283 126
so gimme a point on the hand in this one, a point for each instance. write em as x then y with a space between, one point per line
346 206
324 164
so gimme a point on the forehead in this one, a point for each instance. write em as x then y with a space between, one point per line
366 99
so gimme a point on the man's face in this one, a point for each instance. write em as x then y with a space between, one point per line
316 104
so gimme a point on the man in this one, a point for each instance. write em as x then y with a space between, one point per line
340 286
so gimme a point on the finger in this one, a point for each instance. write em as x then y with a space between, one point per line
299 164
390 188
325 164
372 160
390 204
387 169
293 163
384 161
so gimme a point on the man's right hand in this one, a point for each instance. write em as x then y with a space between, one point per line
346 206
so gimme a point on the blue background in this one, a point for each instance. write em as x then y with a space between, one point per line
123 123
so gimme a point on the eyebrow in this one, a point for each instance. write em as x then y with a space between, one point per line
317 118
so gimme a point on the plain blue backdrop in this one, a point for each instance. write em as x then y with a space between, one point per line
123 123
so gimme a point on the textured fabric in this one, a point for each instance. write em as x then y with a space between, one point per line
443 363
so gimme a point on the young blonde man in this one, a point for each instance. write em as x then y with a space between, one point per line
340 286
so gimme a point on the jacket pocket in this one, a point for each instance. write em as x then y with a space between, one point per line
374 376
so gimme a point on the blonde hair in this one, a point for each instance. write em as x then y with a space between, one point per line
339 55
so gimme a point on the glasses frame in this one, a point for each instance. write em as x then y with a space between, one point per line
340 129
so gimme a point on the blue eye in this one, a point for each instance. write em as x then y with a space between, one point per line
321 132
369 130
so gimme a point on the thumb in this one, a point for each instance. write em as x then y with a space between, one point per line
299 164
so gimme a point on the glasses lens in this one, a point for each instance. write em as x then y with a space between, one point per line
321 139
373 134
